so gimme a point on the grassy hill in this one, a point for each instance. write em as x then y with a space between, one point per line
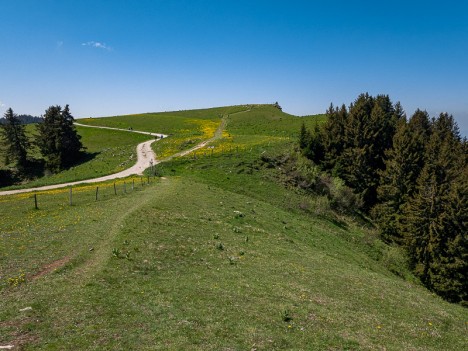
215 255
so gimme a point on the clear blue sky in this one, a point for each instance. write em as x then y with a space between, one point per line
117 57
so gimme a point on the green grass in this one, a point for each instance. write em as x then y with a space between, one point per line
266 120
163 122
179 290
218 255
185 128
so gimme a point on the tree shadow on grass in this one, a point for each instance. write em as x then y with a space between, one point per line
36 168
82 158
8 177
33 169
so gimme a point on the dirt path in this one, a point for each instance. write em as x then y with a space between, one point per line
145 156
217 135
124 130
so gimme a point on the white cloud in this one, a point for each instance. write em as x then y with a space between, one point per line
96 44
2 104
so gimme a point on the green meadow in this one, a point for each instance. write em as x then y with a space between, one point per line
215 253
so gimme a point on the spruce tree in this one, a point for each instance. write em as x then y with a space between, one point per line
403 165
14 140
57 140
369 130
434 220
331 137
71 141
304 137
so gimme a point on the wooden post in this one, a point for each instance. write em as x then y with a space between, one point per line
97 192
133 184
35 201
125 187
115 189
70 192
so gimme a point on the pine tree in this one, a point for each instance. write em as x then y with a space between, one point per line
14 139
57 140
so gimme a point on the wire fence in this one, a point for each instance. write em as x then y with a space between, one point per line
73 195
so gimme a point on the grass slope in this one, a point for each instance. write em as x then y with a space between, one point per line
202 276
216 256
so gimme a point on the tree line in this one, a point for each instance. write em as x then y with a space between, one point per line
412 177
25 119
56 138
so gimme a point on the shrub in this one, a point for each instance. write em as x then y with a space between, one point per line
342 198
395 260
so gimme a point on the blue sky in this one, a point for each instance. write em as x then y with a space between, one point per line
116 57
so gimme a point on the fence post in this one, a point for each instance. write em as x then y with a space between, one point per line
125 187
133 184
70 192
115 190
35 201
97 192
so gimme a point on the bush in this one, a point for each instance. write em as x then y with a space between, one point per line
299 172
395 260
342 198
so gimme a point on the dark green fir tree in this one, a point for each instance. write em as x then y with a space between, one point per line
14 140
58 140
434 219
403 165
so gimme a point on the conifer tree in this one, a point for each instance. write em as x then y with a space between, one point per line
403 164
304 137
369 130
434 220
71 141
311 144
14 139
353 141
57 140
332 137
